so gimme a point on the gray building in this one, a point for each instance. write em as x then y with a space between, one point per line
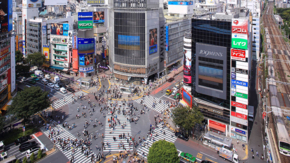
137 39
33 36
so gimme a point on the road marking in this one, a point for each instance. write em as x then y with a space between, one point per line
208 155
85 91
199 155
246 149
210 160
109 84
167 97
100 84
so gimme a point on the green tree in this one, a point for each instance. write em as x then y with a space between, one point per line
18 56
39 154
24 160
35 59
186 118
32 158
17 161
28 102
163 152
2 122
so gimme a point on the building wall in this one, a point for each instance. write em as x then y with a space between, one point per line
33 37
256 38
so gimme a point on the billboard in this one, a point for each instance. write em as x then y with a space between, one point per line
99 17
75 42
180 3
32 3
211 69
167 38
5 15
96 2
85 60
86 46
129 42
46 51
187 97
210 2
13 76
239 55
152 41
234 2
85 24
240 26
86 69
240 43
59 29
55 2
75 61
187 59
83 16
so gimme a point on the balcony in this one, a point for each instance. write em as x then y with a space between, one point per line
59 50
59 55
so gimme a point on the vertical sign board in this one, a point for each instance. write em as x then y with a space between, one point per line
239 53
13 76
167 38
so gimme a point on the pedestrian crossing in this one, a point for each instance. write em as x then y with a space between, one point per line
149 100
169 136
118 130
66 100
78 155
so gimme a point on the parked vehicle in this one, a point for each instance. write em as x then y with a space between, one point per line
56 79
228 155
10 159
28 145
177 96
170 79
186 156
50 85
63 90
32 82
22 139
47 76
23 79
28 86
179 135
38 73
56 87
33 76
168 92
30 151
174 91
44 81
71 90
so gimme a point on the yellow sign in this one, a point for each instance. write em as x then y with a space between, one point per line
46 52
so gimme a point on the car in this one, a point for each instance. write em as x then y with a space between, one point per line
28 145
32 82
170 79
44 81
33 76
56 87
187 156
22 139
23 79
50 85
181 136
35 79
62 90
70 90
168 92
174 92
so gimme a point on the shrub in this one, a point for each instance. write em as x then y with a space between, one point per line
32 157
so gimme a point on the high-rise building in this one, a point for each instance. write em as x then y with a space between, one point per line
136 39
7 56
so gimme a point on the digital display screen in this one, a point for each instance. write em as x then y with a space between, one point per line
187 58
153 41
129 42
86 59
86 46
210 77
59 29
99 17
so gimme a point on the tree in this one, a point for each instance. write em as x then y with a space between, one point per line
39 154
163 152
187 118
28 102
35 59
2 122
32 158
17 161
18 56
24 160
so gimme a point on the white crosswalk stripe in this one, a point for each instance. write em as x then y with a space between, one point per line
66 100
113 145
78 156
149 100
169 136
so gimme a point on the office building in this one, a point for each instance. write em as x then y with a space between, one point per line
136 39
33 36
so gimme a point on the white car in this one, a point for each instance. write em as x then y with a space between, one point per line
50 85
44 81
174 92
63 90
56 87
23 79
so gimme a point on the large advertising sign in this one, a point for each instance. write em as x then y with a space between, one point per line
5 15
86 69
129 42
187 97
86 59
55 2
211 69
239 55
85 24
234 2
239 43
210 2
187 61
180 3
32 3
75 61
59 29
99 17
83 16
152 41
240 26
96 2
13 76
86 46
46 51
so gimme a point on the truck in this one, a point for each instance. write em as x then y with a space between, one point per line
228 155
38 73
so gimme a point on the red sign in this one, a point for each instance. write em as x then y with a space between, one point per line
239 115
238 54
75 42
75 61
264 114
239 105
216 123
240 26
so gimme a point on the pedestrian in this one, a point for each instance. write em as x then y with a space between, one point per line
257 153
62 117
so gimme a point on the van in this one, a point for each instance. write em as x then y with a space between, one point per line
62 90
47 76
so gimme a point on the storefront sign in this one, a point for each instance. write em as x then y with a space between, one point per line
242 111
233 75
236 104
86 69
240 26
239 120
239 43
238 54
239 115
130 69
83 16
216 123
242 83
240 131
85 24
241 95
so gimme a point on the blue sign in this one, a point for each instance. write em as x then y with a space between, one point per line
129 40
242 83
233 75
85 16
65 27
86 46
10 6
240 131
167 38
234 82
82 60
180 3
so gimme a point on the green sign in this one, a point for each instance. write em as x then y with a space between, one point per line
85 24
239 43
245 96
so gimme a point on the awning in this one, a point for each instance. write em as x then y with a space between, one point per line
219 128
65 69
58 68
183 103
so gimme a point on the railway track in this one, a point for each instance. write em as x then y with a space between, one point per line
277 45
